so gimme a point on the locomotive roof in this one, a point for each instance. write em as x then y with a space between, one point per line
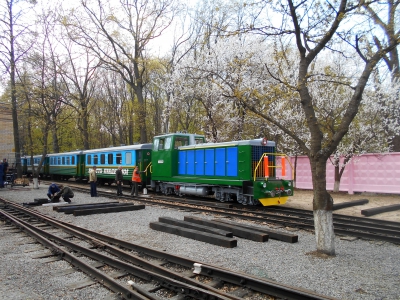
180 134
256 142
121 148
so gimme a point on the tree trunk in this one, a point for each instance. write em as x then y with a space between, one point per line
85 128
337 178
35 183
295 171
141 116
322 208
56 147
14 102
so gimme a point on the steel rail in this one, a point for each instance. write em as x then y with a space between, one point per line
166 274
336 217
343 225
75 261
261 285
372 232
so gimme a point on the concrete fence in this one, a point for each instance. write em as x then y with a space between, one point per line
376 173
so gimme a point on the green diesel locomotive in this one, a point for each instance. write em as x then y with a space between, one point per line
242 171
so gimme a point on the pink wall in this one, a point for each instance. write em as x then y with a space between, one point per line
377 173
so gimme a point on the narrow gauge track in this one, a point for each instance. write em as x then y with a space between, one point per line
358 227
163 271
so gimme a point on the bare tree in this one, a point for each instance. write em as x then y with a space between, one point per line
78 73
119 34
14 43
40 88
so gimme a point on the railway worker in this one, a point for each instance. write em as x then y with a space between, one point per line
135 181
93 182
65 192
53 190
5 169
119 178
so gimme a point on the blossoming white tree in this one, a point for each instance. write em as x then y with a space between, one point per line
284 84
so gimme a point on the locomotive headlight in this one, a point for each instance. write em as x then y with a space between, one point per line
289 183
264 185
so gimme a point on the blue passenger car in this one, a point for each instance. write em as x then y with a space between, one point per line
107 161
27 162
63 166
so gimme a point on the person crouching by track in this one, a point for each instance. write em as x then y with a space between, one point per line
119 178
53 190
65 192
135 181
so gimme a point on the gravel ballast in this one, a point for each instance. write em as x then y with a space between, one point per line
360 270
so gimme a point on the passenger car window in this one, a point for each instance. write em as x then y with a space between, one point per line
128 158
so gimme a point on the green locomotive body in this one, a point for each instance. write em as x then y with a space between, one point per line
230 171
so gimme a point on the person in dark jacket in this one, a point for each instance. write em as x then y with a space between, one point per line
1 174
5 169
53 190
119 178
65 192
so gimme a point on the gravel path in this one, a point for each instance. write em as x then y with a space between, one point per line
360 270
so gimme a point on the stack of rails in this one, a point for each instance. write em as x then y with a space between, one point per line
97 208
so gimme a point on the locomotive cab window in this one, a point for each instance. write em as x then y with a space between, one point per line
199 140
155 145
181 141
161 144
168 142
119 158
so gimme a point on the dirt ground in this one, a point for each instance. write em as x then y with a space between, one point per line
303 199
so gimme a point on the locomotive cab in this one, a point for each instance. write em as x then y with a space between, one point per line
165 155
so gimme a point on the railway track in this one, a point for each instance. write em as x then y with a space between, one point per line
151 274
277 216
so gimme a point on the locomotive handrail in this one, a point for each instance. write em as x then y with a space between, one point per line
148 166
275 154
